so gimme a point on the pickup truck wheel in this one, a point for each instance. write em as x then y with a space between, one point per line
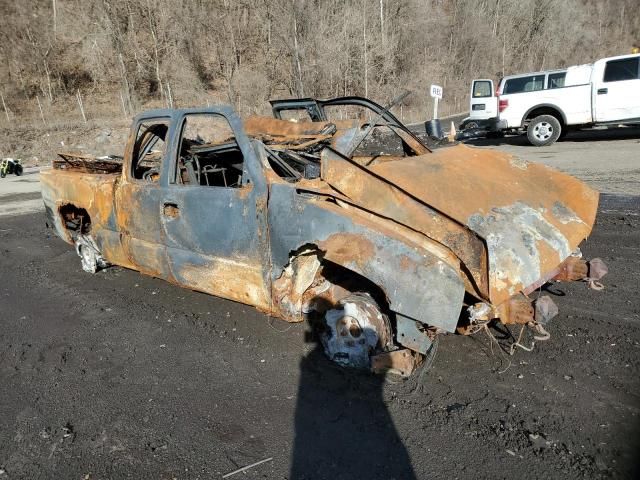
356 329
543 130
18 170
3 174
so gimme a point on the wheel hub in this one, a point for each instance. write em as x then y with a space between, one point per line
355 329
543 130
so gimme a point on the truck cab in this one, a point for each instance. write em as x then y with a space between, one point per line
615 94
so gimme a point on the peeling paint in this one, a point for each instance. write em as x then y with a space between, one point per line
565 214
512 234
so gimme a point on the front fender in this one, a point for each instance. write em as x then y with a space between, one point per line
419 284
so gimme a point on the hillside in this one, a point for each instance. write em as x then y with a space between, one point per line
71 64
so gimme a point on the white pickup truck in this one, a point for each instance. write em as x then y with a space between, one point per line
546 105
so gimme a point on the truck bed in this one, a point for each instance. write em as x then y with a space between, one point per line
88 163
80 188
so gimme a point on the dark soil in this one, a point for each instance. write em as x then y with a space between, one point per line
119 375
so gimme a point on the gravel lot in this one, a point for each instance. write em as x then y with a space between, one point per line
608 159
120 375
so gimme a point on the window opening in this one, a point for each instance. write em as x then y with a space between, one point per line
149 151
209 154
620 70
482 89
556 80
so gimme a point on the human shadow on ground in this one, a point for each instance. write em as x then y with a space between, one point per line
343 429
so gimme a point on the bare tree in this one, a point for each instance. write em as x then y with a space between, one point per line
143 52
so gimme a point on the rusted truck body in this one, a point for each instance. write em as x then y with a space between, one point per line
383 251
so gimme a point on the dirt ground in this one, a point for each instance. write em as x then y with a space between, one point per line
608 159
120 375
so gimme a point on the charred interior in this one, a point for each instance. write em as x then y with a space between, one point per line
210 165
75 219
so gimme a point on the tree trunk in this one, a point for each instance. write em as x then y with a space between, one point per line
296 49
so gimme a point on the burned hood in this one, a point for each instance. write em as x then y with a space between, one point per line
531 216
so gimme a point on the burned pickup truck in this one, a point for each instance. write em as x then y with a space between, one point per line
383 251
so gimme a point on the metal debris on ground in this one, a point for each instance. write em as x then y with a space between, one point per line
244 469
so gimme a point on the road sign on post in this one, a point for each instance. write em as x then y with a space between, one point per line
436 93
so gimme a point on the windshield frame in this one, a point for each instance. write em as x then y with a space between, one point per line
315 109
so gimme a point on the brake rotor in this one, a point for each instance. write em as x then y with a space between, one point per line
356 330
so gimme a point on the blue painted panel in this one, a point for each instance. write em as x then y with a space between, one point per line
417 284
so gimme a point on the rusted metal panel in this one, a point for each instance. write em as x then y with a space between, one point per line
94 191
531 216
403 362
378 195
412 335
418 283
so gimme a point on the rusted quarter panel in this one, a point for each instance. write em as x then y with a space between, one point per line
96 192
93 192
